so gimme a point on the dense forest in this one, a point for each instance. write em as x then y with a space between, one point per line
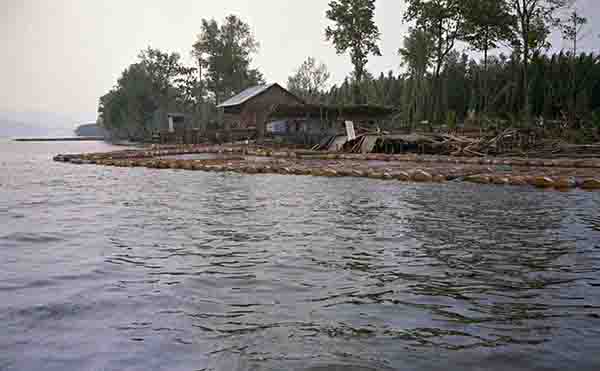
514 81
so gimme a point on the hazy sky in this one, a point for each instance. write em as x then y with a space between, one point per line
61 55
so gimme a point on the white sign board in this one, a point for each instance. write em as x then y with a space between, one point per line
350 130
171 125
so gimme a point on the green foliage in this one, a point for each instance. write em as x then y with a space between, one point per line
595 120
571 29
463 88
530 29
354 30
159 83
224 53
451 120
483 24
309 80
156 81
161 69
417 51
417 55
486 23
442 20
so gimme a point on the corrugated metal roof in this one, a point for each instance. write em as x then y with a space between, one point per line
245 95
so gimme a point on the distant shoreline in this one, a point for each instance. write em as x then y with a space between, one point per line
63 139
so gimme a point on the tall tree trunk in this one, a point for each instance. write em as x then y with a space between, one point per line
357 97
484 107
417 105
526 103
200 101
357 94
573 112
437 85
437 96
525 23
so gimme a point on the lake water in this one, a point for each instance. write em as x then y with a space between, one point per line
138 269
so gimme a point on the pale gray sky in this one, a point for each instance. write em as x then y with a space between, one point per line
61 55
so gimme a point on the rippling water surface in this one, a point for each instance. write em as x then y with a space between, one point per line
138 269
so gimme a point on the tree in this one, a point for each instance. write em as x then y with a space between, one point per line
354 30
417 54
110 110
188 88
443 22
162 70
161 67
225 54
158 82
128 107
309 80
458 82
571 30
486 24
533 19
550 88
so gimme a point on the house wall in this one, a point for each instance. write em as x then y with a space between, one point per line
256 111
307 131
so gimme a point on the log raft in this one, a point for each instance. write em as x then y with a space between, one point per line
558 173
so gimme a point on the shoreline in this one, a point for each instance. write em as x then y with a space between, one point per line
61 139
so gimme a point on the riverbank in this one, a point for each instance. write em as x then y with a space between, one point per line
561 174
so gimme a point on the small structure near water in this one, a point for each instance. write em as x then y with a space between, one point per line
177 128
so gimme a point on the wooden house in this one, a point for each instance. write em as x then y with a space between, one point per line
252 107
286 115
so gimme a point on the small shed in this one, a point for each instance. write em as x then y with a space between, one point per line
171 127
252 107
177 122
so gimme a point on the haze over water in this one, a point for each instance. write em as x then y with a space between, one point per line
139 269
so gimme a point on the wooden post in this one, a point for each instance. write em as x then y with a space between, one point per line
260 128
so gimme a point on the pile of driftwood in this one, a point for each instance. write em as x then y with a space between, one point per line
510 142
440 144
483 146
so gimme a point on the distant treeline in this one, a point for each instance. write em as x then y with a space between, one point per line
439 84
90 130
